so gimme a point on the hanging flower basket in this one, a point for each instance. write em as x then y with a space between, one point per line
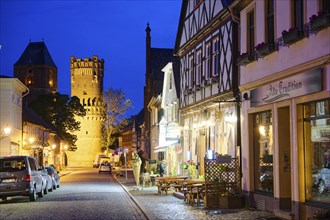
320 21
264 49
292 35
223 159
245 58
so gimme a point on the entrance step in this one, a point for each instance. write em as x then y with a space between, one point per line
283 214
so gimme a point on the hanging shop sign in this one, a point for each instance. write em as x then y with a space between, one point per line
298 85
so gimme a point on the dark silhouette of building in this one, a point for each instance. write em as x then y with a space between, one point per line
156 59
37 70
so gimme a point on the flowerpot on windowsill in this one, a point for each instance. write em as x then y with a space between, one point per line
320 22
245 58
292 36
223 159
265 49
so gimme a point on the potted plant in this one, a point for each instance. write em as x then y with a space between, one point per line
245 58
319 21
292 35
230 201
184 165
192 169
265 48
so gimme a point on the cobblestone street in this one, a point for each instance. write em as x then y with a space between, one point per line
158 206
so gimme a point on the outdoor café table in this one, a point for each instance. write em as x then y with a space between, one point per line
164 183
195 190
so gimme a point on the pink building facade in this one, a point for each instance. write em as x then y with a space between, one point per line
284 68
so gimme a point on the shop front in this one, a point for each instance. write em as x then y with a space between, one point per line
287 150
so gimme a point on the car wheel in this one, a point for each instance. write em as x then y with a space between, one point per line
41 193
4 198
33 195
46 189
321 186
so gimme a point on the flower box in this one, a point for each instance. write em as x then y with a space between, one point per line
319 22
291 36
223 159
245 58
264 49
231 202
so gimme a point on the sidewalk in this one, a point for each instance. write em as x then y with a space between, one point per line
157 206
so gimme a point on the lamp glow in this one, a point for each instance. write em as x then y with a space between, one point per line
210 154
188 155
7 130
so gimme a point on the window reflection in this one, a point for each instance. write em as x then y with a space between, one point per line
317 151
263 148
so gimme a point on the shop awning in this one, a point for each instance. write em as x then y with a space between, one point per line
162 148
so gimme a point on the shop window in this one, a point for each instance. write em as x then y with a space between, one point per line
263 152
317 150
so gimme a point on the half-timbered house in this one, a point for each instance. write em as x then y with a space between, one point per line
206 44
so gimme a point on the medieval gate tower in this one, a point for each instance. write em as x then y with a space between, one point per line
87 85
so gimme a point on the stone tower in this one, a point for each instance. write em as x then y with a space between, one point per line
87 85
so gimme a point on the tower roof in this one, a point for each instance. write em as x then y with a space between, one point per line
36 53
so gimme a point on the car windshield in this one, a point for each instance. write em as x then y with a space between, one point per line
12 165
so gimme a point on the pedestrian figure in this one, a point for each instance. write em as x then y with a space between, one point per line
162 168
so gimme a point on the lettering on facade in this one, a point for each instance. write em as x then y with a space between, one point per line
282 89
298 85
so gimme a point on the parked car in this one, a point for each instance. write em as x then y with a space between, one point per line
56 180
100 158
20 176
105 167
322 179
48 181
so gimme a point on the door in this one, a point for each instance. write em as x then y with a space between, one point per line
284 143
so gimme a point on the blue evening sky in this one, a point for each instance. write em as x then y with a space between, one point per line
114 30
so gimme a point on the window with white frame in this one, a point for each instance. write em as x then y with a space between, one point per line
190 71
250 31
171 80
198 66
298 14
215 56
270 29
208 53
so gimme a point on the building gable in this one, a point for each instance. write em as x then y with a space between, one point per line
195 16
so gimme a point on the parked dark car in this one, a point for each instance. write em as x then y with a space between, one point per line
48 181
20 176
54 175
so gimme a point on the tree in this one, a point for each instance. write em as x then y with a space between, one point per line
114 109
59 111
